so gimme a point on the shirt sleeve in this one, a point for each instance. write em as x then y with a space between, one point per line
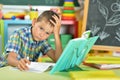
46 47
14 43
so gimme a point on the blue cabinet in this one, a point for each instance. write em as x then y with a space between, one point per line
12 25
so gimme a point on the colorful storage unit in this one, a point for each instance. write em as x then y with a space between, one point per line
68 16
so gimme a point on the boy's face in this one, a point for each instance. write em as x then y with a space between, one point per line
41 30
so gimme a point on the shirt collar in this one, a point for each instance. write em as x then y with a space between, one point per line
30 35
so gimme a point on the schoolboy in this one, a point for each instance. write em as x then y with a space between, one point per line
32 41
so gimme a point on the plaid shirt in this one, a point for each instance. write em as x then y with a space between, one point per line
22 43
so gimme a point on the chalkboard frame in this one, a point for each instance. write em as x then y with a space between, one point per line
84 28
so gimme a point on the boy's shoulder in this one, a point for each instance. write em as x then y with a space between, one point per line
23 30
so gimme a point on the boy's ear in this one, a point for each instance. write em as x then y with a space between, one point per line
34 21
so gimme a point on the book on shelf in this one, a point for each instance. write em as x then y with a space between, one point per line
103 66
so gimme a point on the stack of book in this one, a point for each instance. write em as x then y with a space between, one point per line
106 62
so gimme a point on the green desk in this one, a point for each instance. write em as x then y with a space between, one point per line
6 73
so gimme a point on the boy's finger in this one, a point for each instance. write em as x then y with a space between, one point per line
23 61
52 22
19 67
27 61
22 66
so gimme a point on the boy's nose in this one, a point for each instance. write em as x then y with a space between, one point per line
42 34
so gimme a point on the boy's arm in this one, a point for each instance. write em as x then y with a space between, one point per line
58 45
55 54
13 61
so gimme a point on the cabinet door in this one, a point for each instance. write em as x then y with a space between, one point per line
70 27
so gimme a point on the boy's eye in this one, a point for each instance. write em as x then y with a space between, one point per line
41 28
47 33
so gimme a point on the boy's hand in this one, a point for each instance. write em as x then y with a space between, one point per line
57 10
22 64
57 24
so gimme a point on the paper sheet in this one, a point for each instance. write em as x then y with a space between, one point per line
38 67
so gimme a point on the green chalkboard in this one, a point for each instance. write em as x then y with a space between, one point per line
102 17
36 2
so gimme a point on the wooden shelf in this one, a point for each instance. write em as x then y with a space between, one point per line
68 22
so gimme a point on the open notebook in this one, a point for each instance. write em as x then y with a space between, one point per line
74 53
